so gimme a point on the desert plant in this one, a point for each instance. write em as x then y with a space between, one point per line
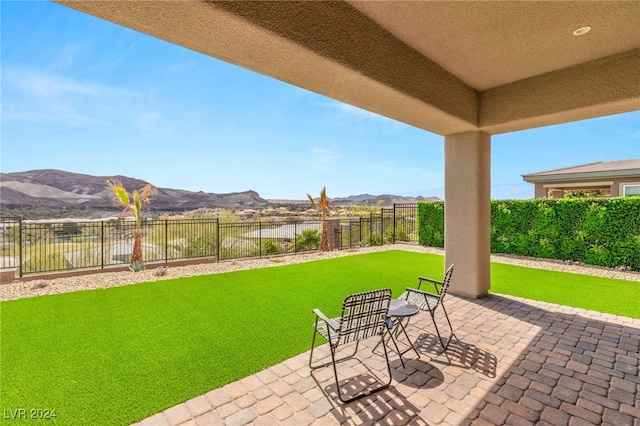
160 271
133 205
323 206
375 239
308 240
202 243
38 284
44 261
271 247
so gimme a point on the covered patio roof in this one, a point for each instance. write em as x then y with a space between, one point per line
446 67
464 70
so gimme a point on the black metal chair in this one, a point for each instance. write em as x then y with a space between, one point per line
363 316
428 301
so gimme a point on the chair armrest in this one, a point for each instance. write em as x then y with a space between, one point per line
420 297
324 318
419 291
435 283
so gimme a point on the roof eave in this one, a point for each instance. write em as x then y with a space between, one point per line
563 177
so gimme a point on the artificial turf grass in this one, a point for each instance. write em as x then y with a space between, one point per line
607 295
118 355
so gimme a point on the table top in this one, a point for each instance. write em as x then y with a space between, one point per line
402 308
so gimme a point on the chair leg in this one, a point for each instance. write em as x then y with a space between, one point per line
367 392
447 317
313 345
445 345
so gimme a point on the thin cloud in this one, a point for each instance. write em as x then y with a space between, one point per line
152 122
66 57
51 114
358 113
325 155
48 97
45 84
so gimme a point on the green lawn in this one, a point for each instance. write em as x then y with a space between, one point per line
617 297
121 354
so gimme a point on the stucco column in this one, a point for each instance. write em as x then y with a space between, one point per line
333 235
467 212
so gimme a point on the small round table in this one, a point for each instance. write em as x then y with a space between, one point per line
400 312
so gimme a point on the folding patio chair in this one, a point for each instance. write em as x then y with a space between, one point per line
427 301
363 315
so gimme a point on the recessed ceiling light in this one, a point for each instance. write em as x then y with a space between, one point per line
582 30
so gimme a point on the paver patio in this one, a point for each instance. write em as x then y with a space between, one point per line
517 362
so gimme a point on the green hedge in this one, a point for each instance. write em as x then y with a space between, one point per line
431 223
604 231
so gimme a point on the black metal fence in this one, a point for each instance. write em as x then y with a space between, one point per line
36 247
399 223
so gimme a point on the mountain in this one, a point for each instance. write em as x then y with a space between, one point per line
55 193
56 189
385 200
354 198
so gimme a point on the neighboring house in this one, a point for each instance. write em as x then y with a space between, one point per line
616 178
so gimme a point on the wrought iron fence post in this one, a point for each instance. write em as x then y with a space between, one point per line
217 240
102 244
295 240
394 223
20 245
166 240
260 238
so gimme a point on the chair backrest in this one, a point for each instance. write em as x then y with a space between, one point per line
445 282
364 315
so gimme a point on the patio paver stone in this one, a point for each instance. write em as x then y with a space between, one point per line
517 362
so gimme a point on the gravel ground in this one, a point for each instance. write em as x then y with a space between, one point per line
18 290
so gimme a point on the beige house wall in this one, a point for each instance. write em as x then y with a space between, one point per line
614 187
621 183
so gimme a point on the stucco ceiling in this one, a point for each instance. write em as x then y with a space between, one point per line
492 43
444 66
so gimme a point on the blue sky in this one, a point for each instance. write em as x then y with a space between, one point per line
87 96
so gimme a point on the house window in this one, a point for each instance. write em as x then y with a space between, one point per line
628 190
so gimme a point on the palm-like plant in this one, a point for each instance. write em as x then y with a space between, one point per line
133 205
323 206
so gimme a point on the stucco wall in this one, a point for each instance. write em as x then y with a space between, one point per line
615 189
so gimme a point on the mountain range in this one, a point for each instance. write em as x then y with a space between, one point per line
52 190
